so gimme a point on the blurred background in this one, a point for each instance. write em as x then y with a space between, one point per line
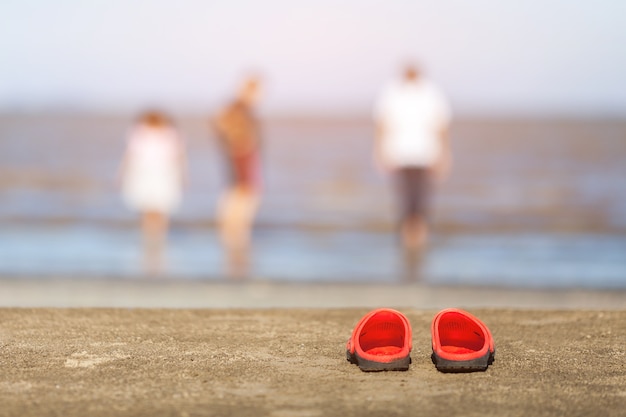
536 196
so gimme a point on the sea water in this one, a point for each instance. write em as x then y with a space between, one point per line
529 203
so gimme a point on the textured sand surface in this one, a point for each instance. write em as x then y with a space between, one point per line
291 362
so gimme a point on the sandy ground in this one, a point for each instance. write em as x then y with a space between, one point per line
291 362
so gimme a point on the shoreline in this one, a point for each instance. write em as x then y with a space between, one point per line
253 294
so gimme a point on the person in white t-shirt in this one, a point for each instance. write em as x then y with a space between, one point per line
412 117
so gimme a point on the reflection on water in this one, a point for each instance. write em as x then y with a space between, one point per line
527 260
528 204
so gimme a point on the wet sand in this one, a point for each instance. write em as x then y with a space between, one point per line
291 362
77 292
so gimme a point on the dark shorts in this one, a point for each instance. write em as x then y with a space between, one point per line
414 190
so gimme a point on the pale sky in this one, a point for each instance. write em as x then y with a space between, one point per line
544 57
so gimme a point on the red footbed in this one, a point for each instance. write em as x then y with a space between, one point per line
383 334
459 334
384 350
457 349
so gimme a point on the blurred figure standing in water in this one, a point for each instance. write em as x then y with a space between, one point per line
412 118
238 132
152 173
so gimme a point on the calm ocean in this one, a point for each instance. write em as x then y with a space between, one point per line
530 203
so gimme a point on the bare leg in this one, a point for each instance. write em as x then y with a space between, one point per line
236 213
414 233
154 228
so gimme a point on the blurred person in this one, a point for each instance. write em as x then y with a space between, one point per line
412 117
152 174
238 133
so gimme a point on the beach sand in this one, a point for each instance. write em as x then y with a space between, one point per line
291 362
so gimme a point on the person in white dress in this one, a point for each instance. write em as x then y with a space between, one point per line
412 117
152 174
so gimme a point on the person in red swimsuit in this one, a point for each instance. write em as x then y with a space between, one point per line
237 130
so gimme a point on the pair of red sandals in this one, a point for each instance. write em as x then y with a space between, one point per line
382 341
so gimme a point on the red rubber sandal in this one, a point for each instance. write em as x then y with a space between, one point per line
381 341
461 342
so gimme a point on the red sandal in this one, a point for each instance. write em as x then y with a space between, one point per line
381 341
461 342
